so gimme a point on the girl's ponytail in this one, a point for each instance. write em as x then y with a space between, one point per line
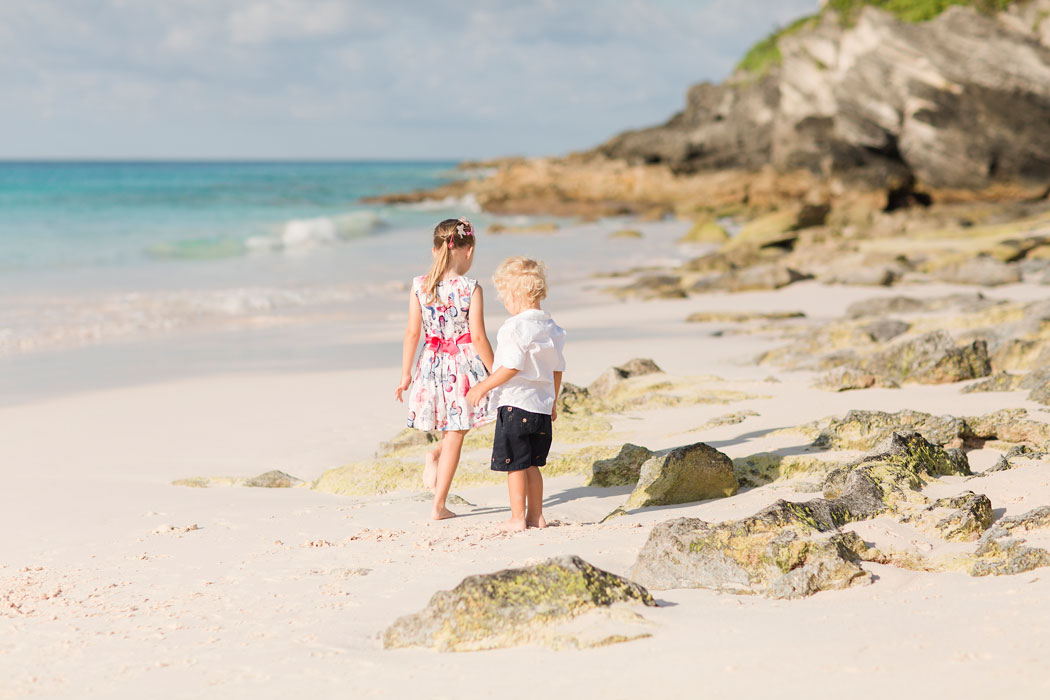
449 234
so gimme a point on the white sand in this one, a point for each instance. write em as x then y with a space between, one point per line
105 591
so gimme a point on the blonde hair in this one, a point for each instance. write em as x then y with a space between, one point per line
521 278
449 234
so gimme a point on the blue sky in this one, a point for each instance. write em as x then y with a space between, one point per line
353 78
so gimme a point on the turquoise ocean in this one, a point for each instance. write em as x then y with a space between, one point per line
114 273
119 214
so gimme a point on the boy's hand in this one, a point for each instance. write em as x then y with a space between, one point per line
475 395
554 413
406 381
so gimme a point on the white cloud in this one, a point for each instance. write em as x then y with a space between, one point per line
355 78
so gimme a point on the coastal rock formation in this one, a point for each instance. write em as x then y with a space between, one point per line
932 358
960 101
773 553
785 550
683 475
863 430
561 603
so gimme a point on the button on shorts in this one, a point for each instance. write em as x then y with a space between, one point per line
523 439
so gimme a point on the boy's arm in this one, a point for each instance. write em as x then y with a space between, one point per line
557 390
501 376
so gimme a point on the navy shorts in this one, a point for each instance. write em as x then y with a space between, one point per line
523 439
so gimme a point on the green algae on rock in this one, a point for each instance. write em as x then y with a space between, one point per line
705 230
685 474
776 553
864 430
561 603
621 469
784 550
578 462
612 378
969 516
766 467
274 479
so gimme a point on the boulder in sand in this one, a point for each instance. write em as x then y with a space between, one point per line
983 271
610 379
685 474
791 550
561 603
274 479
621 470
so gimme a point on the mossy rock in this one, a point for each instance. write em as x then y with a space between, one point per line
611 378
406 440
621 469
535 605
971 515
627 233
767 467
705 230
791 549
578 462
274 479
773 553
685 474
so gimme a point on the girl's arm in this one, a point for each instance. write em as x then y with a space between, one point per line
557 390
408 353
499 377
477 328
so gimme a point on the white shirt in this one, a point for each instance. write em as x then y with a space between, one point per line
532 344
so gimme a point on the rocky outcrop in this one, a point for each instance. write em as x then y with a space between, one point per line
957 102
932 358
773 553
789 549
685 474
561 603
863 430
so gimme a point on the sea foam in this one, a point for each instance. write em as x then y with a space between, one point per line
300 234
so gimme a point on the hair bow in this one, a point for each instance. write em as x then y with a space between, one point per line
463 228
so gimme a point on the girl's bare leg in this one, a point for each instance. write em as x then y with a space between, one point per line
534 498
448 460
430 466
516 486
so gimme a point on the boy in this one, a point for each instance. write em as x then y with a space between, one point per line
527 368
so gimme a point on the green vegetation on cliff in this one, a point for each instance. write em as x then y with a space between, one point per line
766 53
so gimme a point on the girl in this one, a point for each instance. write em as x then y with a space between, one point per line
456 355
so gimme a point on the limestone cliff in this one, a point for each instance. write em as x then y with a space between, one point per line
958 102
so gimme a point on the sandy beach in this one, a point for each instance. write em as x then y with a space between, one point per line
115 583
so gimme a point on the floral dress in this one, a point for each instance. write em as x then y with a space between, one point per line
449 365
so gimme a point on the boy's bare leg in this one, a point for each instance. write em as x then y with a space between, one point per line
451 445
430 466
534 498
516 485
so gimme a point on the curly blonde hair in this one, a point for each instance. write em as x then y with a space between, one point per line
521 278
449 234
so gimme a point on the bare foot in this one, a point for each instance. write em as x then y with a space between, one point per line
442 514
512 525
430 470
540 523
